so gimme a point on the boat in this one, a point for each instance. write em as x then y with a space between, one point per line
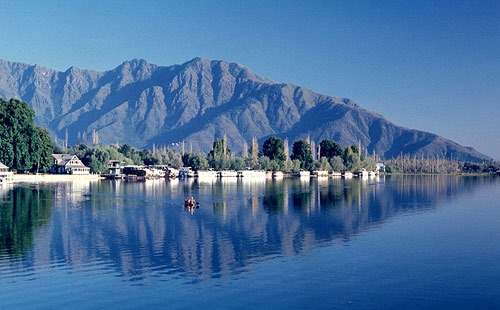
347 174
277 175
228 173
361 173
191 203
134 173
252 174
206 174
186 172
172 173
302 174
320 173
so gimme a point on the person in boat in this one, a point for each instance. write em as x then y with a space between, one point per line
190 202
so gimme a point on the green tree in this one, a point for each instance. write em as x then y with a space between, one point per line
274 148
337 164
195 161
302 152
238 163
19 137
41 150
330 149
324 164
220 149
252 163
98 159
219 156
294 165
265 163
351 158
369 164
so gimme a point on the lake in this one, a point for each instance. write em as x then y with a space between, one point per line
395 242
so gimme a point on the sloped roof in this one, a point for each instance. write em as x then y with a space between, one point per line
65 159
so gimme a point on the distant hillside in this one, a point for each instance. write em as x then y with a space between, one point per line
139 103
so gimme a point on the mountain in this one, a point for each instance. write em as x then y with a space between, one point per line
142 104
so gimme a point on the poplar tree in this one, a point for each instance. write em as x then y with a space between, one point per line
255 148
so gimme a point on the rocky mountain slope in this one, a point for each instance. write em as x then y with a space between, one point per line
142 104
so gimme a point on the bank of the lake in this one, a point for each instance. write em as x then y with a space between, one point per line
35 178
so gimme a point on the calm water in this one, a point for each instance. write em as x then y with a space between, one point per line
394 242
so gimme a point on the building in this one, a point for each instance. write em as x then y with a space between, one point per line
5 175
114 167
380 167
68 164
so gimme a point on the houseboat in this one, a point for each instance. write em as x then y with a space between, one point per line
186 172
252 174
361 173
320 173
206 174
347 174
172 173
135 173
114 170
228 173
303 174
278 174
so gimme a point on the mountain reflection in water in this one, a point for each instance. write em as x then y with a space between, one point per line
142 229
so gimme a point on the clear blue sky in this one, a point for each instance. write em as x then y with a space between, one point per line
428 65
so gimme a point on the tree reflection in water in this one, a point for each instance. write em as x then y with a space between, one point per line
22 210
142 228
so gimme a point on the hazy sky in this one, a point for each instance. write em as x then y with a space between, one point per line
428 65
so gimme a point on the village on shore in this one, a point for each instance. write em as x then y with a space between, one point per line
70 167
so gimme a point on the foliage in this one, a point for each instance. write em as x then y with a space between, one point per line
41 150
220 149
26 147
437 165
96 157
337 164
219 156
23 146
324 164
238 163
302 152
195 161
274 148
330 149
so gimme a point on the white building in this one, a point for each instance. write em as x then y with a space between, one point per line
68 164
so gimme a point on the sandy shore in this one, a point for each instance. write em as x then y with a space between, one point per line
53 177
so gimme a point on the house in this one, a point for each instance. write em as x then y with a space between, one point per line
5 175
68 164
380 167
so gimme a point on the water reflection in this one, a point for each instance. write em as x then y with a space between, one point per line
22 211
143 230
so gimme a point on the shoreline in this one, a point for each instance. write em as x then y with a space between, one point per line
33 178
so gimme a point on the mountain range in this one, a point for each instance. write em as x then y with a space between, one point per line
202 100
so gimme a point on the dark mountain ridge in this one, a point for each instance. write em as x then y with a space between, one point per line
142 104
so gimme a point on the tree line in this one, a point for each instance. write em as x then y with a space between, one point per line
25 147
271 156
